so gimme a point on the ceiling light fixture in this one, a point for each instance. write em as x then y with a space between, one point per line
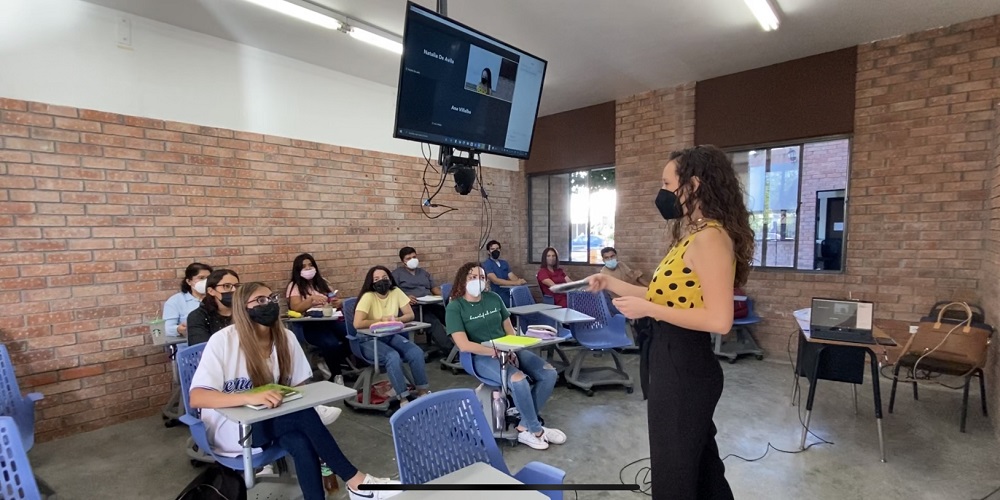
375 39
336 21
299 12
764 13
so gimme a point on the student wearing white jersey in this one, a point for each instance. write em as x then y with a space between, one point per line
255 351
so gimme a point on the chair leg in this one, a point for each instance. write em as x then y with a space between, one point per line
965 401
892 392
982 392
915 395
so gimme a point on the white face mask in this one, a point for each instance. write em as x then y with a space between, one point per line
412 263
475 288
308 273
201 286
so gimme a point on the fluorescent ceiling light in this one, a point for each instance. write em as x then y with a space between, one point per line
764 13
376 39
298 12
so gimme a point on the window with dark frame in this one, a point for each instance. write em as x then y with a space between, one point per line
796 195
572 212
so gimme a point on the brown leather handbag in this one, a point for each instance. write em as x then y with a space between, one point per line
956 341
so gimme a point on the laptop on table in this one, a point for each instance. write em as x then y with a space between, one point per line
842 320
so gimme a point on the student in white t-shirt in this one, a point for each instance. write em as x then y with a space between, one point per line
255 351
381 300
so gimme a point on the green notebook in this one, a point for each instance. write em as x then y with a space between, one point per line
288 394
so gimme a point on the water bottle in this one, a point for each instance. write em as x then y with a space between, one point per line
330 484
499 412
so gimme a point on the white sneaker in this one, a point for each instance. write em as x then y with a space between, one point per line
554 436
267 470
328 414
373 495
529 438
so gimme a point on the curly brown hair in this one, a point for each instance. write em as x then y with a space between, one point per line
458 286
720 197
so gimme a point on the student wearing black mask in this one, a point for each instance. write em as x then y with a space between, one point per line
689 295
498 272
381 300
215 311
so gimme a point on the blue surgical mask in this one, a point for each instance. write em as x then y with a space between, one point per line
611 263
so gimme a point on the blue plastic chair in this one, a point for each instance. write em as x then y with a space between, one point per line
450 362
16 478
187 363
366 377
13 404
744 342
605 334
446 293
446 431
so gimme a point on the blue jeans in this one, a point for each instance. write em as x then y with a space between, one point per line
303 436
530 393
391 353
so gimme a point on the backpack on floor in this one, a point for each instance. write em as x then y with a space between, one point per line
216 483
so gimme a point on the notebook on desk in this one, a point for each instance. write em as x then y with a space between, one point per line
842 320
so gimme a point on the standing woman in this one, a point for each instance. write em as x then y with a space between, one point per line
689 296
180 304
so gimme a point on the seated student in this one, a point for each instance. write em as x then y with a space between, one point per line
476 316
415 282
614 268
215 311
498 272
551 274
307 289
179 305
255 351
381 300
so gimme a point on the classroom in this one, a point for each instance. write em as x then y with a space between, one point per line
406 216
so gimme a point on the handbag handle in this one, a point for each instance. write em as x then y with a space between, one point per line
963 305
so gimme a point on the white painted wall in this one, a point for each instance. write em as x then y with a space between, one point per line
64 52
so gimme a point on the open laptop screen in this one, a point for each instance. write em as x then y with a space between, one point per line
842 314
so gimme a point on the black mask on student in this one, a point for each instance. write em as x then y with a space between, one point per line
495 254
227 299
266 315
382 287
668 204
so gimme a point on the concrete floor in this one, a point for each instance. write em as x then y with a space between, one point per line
928 457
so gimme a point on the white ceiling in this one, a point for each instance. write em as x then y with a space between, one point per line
597 50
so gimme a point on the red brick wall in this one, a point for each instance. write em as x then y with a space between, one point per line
100 213
990 295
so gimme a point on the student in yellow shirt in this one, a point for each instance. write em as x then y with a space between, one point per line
381 300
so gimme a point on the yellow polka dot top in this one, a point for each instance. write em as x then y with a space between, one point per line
673 284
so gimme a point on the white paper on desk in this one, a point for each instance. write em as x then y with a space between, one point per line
427 299
865 315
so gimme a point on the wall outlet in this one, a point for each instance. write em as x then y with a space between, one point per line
124 32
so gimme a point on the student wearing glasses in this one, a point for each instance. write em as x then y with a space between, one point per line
255 351
381 300
475 316
179 305
215 311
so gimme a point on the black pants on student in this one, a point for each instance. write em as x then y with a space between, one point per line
330 337
685 383
304 437
435 314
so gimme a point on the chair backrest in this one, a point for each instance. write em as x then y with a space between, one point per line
10 392
446 292
348 307
603 328
521 296
16 478
187 363
441 433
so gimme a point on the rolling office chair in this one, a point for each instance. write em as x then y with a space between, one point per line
443 432
187 363
744 342
20 408
605 334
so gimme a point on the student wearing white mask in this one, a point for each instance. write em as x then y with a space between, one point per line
180 304
306 289
415 282
476 315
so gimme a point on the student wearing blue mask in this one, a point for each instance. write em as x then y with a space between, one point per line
619 270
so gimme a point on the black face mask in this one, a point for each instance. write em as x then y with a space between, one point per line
495 254
668 204
381 287
266 315
227 299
